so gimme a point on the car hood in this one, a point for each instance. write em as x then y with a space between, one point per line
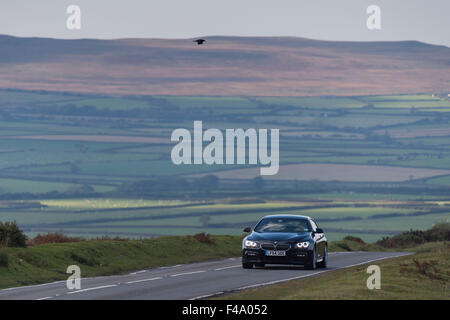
279 236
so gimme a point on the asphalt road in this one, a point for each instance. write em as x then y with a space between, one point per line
189 281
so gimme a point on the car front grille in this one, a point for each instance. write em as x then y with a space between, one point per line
272 246
282 246
268 246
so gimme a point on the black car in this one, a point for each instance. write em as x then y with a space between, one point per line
285 239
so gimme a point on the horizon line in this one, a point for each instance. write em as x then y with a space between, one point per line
224 36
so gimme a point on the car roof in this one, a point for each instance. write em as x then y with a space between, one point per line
287 216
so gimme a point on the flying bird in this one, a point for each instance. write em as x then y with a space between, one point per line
199 41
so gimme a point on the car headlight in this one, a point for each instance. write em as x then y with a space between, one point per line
304 244
250 244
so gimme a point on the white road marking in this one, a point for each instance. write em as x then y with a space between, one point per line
187 273
343 252
223 268
137 272
143 280
35 285
90 289
178 265
373 260
45 298
207 295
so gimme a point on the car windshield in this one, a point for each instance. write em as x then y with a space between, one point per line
291 225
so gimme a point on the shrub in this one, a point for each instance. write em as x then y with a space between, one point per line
354 239
204 238
439 232
57 237
11 235
4 259
60 237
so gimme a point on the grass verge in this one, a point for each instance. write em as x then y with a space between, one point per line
49 262
424 275
45 262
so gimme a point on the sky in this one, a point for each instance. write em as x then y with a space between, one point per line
422 20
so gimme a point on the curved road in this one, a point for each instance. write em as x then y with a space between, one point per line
190 281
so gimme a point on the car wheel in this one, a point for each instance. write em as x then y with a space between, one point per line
323 263
313 263
247 265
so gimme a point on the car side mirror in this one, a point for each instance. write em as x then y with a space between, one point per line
247 230
318 230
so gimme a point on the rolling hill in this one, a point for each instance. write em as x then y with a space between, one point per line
224 66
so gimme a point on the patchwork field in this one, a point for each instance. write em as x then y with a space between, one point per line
413 133
88 138
338 172
369 220
95 165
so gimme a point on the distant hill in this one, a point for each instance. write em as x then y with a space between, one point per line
251 66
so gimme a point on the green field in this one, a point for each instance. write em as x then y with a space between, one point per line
369 220
90 186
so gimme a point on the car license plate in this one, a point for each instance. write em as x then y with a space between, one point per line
275 253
